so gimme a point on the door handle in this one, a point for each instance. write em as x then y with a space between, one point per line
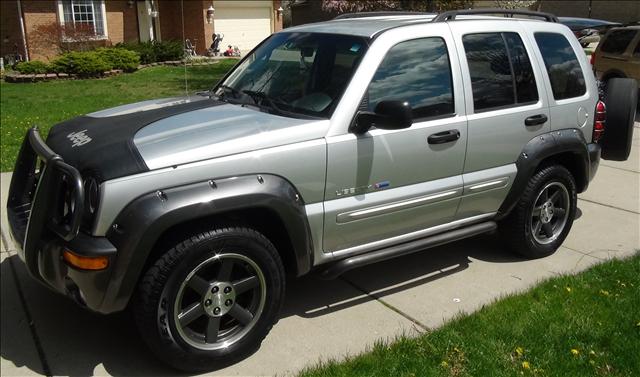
535 120
444 137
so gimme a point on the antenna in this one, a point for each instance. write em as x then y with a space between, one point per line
186 82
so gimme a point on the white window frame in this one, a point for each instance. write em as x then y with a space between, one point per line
105 35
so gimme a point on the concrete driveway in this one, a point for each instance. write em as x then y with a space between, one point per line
43 333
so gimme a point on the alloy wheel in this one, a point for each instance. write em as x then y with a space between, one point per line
219 301
550 212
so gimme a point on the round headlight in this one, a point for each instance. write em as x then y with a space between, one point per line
91 189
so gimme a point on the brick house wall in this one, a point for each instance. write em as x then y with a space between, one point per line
196 28
122 21
278 20
38 13
10 34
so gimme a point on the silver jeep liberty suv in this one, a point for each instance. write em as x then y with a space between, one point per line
328 147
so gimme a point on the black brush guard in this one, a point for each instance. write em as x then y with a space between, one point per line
46 199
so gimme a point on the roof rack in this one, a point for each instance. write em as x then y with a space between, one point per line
345 16
451 15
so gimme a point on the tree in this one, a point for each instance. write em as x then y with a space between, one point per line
343 6
514 4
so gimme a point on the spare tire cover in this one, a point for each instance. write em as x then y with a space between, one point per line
621 102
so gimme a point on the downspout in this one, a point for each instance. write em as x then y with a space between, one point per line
22 31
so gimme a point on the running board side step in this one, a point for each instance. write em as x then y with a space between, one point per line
338 268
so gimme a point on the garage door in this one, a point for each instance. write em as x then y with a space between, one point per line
243 27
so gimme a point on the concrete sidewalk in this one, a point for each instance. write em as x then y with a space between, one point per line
44 333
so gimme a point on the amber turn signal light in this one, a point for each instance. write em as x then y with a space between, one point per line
85 263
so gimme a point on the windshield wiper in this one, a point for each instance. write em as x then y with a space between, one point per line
233 90
238 96
263 97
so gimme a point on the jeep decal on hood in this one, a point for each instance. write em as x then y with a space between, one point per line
135 138
102 146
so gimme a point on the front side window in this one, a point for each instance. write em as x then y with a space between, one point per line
618 41
565 73
416 71
84 15
500 69
296 73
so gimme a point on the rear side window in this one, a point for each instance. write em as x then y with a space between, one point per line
618 41
565 74
501 73
526 90
417 71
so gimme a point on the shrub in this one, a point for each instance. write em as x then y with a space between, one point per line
154 51
120 58
169 50
34 66
81 63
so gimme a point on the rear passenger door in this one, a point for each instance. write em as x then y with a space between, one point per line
506 107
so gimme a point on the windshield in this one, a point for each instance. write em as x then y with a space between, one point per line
295 74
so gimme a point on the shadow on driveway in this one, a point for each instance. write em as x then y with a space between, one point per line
75 340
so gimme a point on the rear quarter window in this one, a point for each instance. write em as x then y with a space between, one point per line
618 41
563 67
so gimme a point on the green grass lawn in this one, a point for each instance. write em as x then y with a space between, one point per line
583 325
47 103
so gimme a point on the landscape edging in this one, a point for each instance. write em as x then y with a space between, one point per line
16 77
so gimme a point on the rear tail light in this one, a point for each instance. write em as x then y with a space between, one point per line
599 123
593 59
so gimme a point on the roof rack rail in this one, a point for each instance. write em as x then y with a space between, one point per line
345 16
451 15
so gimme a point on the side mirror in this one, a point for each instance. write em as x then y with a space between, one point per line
388 115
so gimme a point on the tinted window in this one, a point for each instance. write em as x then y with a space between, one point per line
526 90
501 73
417 71
562 65
490 71
617 41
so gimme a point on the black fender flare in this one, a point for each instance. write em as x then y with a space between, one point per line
142 222
567 143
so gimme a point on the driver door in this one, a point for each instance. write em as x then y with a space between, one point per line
385 186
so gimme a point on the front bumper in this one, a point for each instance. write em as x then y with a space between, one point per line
42 228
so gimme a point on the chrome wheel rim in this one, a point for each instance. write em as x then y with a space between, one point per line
219 301
550 213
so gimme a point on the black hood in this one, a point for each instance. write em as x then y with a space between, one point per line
103 146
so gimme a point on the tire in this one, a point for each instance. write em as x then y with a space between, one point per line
621 101
521 230
210 300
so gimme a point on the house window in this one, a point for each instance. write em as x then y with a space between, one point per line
85 15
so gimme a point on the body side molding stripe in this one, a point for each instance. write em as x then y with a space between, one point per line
484 186
396 206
